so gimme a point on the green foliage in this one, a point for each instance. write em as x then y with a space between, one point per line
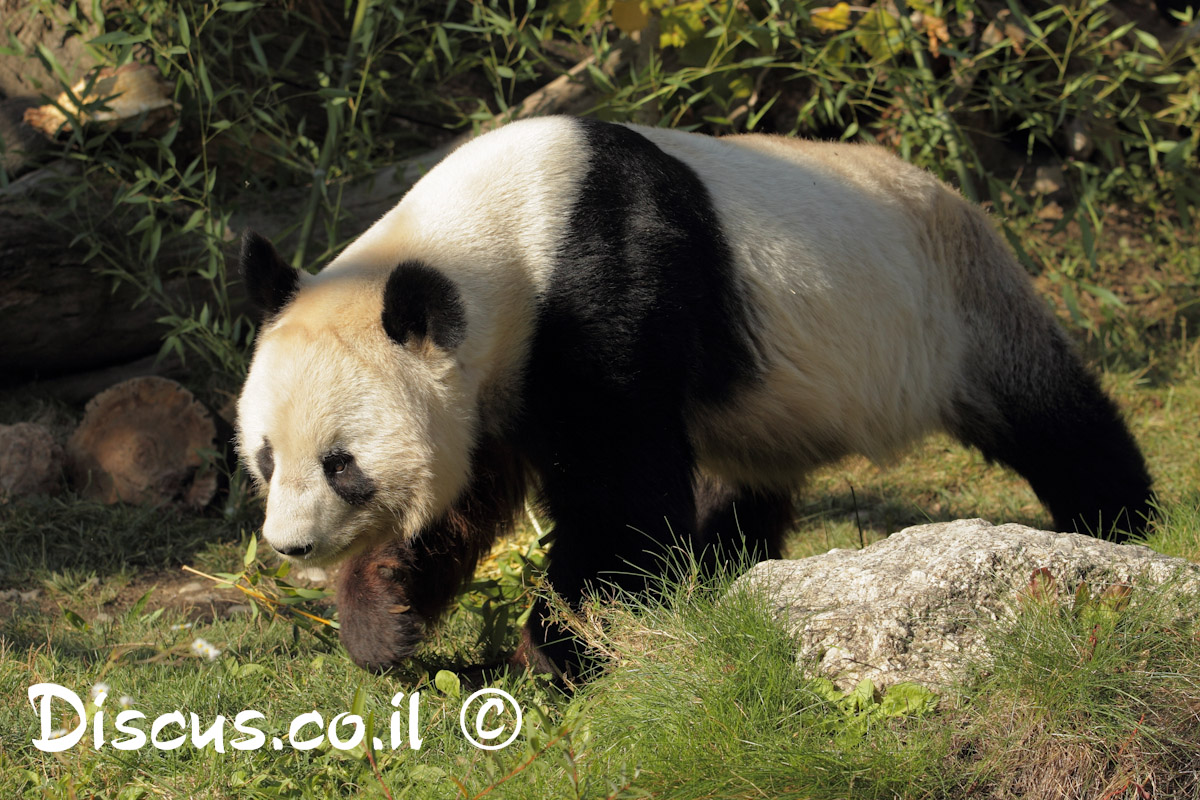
502 602
1179 533
862 708
267 588
311 96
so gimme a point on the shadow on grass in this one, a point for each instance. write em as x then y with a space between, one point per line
880 515
47 535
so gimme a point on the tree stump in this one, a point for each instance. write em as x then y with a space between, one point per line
144 441
31 461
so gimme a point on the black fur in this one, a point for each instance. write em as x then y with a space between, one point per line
265 458
379 627
389 595
643 319
270 281
731 521
1069 441
422 303
347 479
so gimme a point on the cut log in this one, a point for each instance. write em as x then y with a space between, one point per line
108 97
146 441
31 461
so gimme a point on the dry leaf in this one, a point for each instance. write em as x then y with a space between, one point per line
630 16
831 19
936 30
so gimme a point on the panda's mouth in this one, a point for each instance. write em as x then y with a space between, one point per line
318 557
309 555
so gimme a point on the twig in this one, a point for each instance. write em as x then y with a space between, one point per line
862 542
374 768
523 765
273 604
533 521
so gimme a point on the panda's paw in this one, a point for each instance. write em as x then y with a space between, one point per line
379 628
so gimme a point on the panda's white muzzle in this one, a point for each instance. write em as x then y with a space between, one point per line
305 525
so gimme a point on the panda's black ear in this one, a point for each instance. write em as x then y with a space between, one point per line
270 281
420 303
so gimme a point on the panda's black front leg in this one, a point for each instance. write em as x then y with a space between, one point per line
389 595
379 625
617 515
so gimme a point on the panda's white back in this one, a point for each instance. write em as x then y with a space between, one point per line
833 241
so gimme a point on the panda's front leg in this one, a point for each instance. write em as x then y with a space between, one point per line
620 501
379 625
389 595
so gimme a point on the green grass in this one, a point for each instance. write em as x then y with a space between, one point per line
1087 699
704 699
50 535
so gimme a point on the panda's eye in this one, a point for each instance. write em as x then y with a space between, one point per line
336 463
346 478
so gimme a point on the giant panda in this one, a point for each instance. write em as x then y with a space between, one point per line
661 333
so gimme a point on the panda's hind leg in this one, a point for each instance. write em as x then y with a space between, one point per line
737 526
1022 394
1045 416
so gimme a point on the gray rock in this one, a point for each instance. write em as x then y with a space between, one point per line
916 606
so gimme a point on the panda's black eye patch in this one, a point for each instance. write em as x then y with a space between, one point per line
265 460
346 478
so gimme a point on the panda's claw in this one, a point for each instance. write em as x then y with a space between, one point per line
379 629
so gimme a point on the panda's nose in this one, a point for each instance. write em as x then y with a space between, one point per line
296 552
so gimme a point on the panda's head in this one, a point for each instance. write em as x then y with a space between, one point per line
351 418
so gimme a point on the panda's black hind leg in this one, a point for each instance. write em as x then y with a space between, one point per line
1056 427
739 526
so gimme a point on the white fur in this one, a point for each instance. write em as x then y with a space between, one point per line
863 335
